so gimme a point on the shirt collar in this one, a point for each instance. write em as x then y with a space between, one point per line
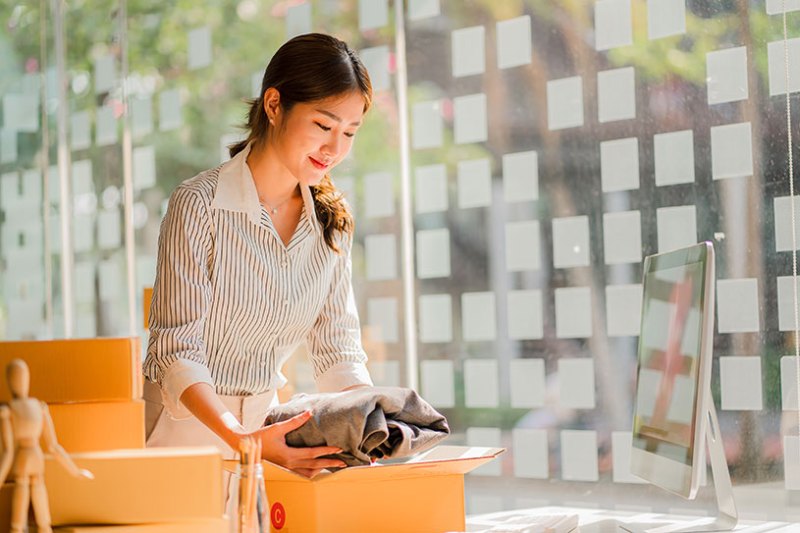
236 191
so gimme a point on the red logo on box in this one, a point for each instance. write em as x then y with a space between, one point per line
278 516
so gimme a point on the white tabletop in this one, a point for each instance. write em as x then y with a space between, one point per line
605 521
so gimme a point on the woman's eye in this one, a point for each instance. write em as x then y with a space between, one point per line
350 134
323 128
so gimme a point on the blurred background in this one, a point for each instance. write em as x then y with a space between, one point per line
520 160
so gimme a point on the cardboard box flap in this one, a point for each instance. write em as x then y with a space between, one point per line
441 460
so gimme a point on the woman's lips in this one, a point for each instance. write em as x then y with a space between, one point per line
317 163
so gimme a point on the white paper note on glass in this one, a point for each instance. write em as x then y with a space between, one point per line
438 386
478 316
521 176
21 112
785 302
199 47
726 75
433 253
109 229
776 59
435 318
474 183
527 383
514 42
737 305
83 233
379 195
144 167
665 18
731 151
82 182
616 94
468 51
84 281
376 60
565 103
430 188
80 128
776 7
783 222
674 157
791 462
623 310
106 126
622 237
469 121
579 455
613 26
298 20
427 125
576 383
111 283
105 73
525 314
169 110
31 189
141 116
372 14
676 226
382 319
530 448
573 312
381 257
383 373
8 145
523 246
740 383
619 164
422 9
481 383
571 241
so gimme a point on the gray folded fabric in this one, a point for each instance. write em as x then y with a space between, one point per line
369 422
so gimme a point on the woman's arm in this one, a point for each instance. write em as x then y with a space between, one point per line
202 401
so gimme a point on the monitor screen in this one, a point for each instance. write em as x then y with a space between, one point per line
669 358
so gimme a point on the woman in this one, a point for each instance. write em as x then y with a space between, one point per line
254 258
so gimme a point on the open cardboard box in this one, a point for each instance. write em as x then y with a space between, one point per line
424 494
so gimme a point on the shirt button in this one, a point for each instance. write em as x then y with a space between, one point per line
286 301
263 364
284 263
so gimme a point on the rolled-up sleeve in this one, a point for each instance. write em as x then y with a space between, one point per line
334 342
176 352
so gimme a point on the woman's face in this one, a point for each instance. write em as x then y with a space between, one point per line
314 137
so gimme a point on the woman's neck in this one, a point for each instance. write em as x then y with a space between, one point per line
274 183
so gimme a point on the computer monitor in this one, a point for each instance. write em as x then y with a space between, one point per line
674 414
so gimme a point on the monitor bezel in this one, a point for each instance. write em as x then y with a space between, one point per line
677 477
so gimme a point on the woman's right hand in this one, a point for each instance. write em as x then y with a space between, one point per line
304 461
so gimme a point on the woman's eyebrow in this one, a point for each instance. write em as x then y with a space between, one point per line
335 117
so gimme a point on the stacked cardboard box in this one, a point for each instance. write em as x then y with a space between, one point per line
93 388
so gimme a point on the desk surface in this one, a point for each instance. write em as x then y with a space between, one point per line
603 521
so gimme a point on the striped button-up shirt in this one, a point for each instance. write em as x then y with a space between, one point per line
231 302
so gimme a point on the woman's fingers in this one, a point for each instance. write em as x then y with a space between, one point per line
293 423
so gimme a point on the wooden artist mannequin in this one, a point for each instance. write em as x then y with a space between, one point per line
23 421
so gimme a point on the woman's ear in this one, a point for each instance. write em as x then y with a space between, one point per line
272 104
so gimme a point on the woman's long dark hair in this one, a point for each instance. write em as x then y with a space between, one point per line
310 68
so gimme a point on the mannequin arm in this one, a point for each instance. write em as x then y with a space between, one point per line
8 443
58 452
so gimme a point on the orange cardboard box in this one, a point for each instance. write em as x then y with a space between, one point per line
205 526
147 486
96 426
423 495
78 370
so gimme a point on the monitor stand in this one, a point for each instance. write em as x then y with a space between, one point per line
727 516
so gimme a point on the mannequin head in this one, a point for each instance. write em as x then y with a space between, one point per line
18 377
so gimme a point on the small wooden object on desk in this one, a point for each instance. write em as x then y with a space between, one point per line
23 422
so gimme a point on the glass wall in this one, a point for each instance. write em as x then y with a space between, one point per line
552 145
